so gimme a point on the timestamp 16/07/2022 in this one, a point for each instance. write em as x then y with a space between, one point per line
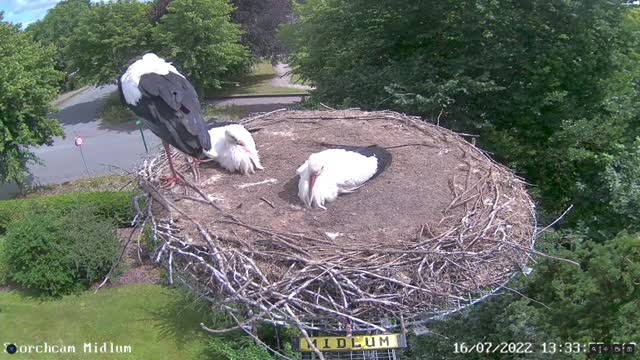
547 348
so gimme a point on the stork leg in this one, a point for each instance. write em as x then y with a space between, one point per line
195 165
174 175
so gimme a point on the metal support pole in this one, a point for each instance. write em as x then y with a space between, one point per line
139 123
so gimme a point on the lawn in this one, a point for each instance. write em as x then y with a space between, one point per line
155 321
98 183
114 112
256 83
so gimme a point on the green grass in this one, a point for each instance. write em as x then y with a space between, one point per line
98 183
297 80
225 112
114 112
256 83
157 322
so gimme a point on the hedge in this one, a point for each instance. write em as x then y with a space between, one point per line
114 205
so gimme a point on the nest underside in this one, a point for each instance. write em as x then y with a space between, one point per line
261 267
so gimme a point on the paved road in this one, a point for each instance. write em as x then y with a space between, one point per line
107 148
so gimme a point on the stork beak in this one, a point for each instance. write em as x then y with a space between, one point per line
312 181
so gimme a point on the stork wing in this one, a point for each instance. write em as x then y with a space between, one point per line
179 95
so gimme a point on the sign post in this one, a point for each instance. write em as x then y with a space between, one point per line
139 123
79 141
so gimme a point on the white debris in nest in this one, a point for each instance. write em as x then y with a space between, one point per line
212 179
443 151
213 198
268 181
282 133
332 235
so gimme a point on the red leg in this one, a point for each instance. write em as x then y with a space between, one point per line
195 165
174 175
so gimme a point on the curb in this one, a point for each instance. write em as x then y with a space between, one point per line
256 96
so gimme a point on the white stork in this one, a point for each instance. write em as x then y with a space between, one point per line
168 105
233 148
332 172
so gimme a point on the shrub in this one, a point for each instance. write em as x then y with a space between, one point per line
114 205
115 112
36 254
93 244
60 254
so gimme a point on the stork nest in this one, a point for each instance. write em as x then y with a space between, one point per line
440 229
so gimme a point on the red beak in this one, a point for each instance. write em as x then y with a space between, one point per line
312 181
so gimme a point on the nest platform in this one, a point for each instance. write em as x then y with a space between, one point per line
441 228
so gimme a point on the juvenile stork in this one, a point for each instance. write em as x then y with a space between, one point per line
168 105
329 173
233 147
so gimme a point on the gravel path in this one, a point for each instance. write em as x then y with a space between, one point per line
283 78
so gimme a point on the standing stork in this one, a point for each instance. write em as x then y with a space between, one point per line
233 147
169 106
329 173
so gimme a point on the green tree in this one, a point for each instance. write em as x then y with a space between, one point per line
199 36
550 86
108 37
260 20
57 27
597 302
28 82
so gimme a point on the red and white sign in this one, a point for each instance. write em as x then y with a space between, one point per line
79 141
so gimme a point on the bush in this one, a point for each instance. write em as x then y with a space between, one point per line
60 255
115 112
93 244
36 254
114 205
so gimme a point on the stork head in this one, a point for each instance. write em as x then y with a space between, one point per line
236 136
316 166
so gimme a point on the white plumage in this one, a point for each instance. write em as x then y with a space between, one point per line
150 63
233 147
329 173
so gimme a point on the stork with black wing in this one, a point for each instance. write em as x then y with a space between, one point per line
168 105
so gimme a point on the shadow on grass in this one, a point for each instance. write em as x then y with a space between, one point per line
180 318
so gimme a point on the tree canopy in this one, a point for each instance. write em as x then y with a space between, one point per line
28 82
57 27
260 21
199 36
195 34
107 37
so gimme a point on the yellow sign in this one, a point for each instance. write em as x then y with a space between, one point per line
354 343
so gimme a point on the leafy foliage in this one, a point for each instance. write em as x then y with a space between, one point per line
113 205
195 34
107 37
93 244
59 253
260 21
57 27
551 86
597 302
198 35
36 256
28 83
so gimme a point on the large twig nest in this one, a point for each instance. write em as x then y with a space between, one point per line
441 228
